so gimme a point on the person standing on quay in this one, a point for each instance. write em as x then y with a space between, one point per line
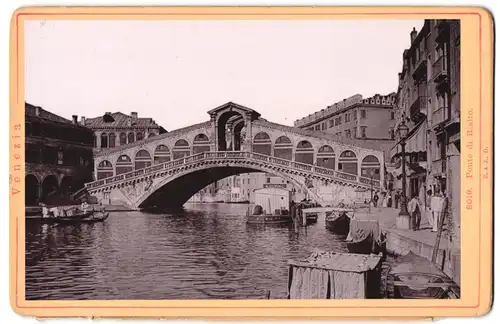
437 204
415 209
375 200
428 210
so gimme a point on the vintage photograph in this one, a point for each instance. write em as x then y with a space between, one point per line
242 159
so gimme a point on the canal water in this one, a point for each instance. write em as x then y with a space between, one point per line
205 252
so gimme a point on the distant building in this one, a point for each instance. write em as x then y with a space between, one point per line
369 118
116 129
59 157
241 188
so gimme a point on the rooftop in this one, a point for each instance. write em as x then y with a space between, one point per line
120 120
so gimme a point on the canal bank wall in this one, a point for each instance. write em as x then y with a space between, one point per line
400 242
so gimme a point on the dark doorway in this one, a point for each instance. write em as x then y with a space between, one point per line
32 190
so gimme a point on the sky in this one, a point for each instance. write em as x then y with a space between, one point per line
176 71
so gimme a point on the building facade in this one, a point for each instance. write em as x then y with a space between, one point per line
428 101
116 129
355 117
59 159
241 188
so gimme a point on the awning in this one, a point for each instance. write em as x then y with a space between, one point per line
416 141
411 168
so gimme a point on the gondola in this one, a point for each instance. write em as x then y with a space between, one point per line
415 277
338 222
364 237
88 217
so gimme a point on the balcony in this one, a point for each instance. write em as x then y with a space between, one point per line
440 70
439 116
442 31
418 108
420 67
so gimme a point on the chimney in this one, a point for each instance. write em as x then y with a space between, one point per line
75 119
133 114
413 35
83 120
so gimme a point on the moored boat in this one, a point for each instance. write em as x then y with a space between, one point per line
415 277
364 237
338 221
271 206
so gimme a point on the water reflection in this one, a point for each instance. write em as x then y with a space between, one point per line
204 252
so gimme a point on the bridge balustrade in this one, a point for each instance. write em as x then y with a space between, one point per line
374 182
232 155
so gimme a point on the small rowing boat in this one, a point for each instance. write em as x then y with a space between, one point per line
415 277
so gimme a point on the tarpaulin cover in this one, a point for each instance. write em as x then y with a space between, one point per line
361 229
331 275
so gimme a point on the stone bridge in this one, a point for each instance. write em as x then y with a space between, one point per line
166 170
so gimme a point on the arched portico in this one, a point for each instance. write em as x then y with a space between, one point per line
232 126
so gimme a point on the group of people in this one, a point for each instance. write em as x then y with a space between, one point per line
387 199
434 208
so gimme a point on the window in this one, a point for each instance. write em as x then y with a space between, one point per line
140 136
104 140
339 167
323 126
268 180
316 127
392 115
363 114
355 114
60 157
123 139
347 133
112 140
391 133
311 129
363 132
354 133
330 123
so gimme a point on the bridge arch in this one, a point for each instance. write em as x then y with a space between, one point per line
104 170
175 190
325 157
124 164
283 148
142 159
348 162
201 143
262 143
181 149
304 153
161 154
370 163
